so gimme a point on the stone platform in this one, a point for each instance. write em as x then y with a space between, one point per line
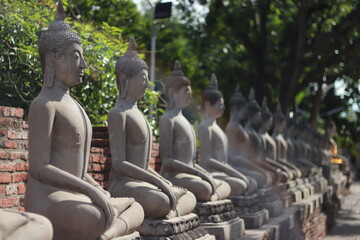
184 227
248 209
219 219
269 201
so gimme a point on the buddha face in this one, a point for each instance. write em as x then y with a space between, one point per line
69 68
217 109
268 123
183 96
138 84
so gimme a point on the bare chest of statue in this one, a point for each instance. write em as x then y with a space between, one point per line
219 143
138 138
184 141
70 138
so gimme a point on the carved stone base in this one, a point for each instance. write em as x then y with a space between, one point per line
270 202
219 219
184 227
256 219
295 193
248 209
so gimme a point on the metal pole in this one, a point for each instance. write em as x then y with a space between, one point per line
152 63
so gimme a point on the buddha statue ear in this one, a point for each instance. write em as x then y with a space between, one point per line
170 97
124 89
49 73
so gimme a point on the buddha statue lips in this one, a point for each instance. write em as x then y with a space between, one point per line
60 132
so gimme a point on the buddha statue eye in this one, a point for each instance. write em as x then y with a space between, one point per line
76 55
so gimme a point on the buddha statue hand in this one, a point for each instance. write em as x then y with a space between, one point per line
173 196
207 177
104 202
120 204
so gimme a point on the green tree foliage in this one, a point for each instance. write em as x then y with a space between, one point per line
21 77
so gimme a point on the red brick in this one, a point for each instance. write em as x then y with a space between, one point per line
2 190
22 166
10 144
107 151
21 188
154 153
98 142
97 167
26 145
15 155
9 202
96 150
21 209
19 112
5 111
7 166
4 154
25 125
94 158
103 159
155 146
24 156
3 132
5 177
11 189
19 177
13 134
7 122
98 176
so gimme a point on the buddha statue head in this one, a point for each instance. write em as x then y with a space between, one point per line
238 104
279 119
60 51
266 115
330 128
177 88
254 110
131 73
213 99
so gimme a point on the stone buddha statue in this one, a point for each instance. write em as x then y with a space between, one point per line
60 132
270 144
214 144
240 147
176 135
20 225
178 163
131 140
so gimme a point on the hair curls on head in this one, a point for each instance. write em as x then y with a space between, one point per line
237 100
57 37
176 79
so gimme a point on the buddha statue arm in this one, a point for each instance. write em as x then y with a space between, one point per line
90 180
41 120
205 154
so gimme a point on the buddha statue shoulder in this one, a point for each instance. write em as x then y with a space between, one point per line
60 132
177 134
214 143
130 141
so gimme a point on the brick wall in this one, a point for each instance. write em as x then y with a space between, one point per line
13 157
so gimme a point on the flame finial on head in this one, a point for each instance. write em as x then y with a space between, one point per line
177 66
264 102
213 81
237 88
60 12
252 94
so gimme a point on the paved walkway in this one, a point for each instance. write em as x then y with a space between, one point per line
348 223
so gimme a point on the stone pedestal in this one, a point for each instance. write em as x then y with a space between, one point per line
270 202
284 195
219 219
248 209
296 194
184 227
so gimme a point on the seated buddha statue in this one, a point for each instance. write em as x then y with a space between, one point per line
270 144
178 144
214 144
60 132
131 141
277 172
20 225
239 143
